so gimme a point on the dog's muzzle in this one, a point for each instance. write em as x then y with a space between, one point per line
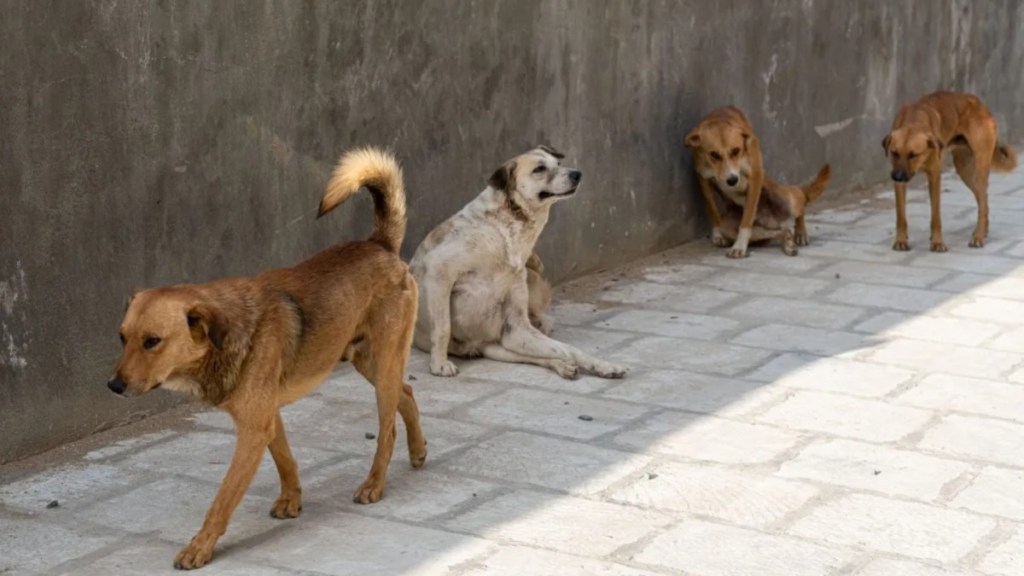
900 176
117 386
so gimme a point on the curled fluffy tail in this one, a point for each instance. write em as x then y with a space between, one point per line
814 189
1005 158
380 173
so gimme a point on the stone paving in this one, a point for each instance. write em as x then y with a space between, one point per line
851 411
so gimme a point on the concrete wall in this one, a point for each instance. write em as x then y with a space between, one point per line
144 143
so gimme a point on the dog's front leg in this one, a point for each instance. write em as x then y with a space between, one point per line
708 192
526 340
902 242
739 248
439 297
255 431
289 504
935 195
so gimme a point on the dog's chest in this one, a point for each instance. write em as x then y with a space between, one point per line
738 197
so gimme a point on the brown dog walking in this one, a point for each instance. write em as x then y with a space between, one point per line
252 345
921 133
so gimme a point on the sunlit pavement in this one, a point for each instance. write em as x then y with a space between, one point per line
852 410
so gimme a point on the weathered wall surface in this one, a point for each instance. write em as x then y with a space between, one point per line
144 143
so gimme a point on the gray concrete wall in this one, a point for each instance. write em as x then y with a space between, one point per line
145 143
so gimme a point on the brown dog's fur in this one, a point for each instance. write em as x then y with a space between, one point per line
921 133
539 294
727 159
251 345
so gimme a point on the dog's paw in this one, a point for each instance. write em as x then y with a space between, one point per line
446 369
802 239
544 323
566 370
287 506
718 239
789 243
369 492
977 242
901 245
736 253
608 370
418 455
939 246
196 555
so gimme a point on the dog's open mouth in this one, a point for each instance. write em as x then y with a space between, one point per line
545 194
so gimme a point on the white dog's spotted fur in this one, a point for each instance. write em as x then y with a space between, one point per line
471 272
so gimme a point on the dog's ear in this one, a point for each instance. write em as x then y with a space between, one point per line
692 139
128 300
551 151
502 177
885 143
208 322
747 136
934 143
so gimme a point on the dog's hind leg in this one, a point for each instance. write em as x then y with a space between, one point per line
289 504
973 165
501 354
526 340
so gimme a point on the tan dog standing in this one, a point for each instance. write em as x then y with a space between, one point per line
727 159
251 345
921 133
473 277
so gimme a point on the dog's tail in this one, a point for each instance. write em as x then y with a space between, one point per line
814 189
380 173
1005 158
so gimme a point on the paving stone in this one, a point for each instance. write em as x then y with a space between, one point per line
872 467
708 438
207 455
508 376
769 259
410 495
802 339
981 438
552 463
562 523
892 325
128 444
691 355
839 250
554 413
984 397
568 313
965 261
519 560
996 310
889 567
72 485
351 545
995 491
675 324
928 357
915 530
695 392
983 285
796 311
764 284
36 547
846 416
697 547
891 297
879 273
742 498
1011 340
156 559
173 509
692 298
831 375
679 273
1006 559
434 395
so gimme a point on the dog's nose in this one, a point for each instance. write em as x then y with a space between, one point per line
575 176
117 386
732 180
899 175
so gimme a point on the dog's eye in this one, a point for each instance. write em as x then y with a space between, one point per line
716 156
734 152
123 339
896 155
539 169
150 343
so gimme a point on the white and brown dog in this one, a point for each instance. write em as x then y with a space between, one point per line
472 273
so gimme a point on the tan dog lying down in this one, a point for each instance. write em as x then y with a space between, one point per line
921 133
472 273
727 159
251 345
